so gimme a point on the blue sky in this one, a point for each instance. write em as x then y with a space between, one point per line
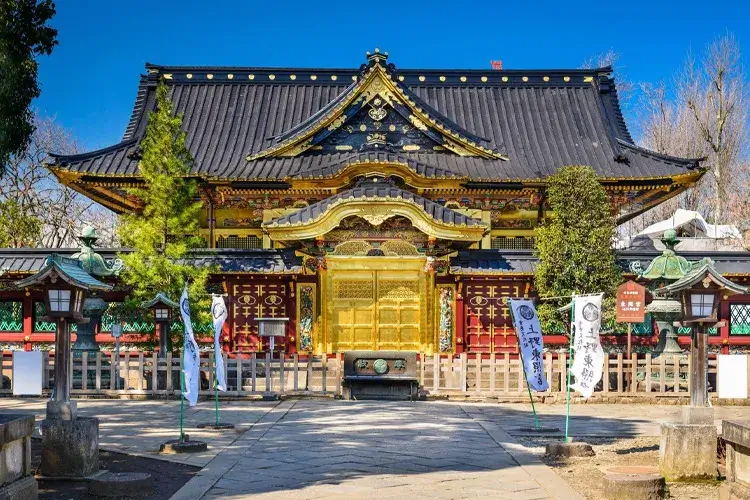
89 82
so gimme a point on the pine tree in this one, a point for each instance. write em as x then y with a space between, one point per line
167 226
574 245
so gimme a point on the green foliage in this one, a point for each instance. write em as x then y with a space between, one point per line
168 224
17 228
574 245
24 35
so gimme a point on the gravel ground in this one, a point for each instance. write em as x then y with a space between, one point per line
585 474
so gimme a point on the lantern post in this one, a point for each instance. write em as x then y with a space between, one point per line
70 445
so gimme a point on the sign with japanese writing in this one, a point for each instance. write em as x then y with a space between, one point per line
631 303
588 356
191 362
530 341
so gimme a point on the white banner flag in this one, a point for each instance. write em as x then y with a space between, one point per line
588 357
191 361
219 315
530 341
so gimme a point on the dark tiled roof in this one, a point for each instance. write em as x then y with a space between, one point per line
370 191
31 260
420 168
493 262
540 119
524 261
281 261
66 268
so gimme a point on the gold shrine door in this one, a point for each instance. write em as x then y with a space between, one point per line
376 303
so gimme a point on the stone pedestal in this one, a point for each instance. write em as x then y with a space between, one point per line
688 451
70 448
737 436
16 474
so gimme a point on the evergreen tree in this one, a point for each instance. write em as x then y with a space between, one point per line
575 245
17 228
167 226
24 35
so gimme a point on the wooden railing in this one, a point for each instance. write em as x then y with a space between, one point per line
139 373
492 375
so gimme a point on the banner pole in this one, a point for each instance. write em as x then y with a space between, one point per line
523 366
217 359
570 364
182 396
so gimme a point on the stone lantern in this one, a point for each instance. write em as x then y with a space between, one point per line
162 308
665 309
93 308
69 444
688 448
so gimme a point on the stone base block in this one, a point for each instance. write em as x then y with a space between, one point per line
688 452
530 429
697 415
569 450
121 485
70 448
734 491
186 446
216 427
24 489
634 483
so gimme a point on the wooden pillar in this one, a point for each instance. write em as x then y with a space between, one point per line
62 361
724 329
211 221
28 315
460 326
698 366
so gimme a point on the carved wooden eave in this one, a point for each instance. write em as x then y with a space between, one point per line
375 210
346 175
377 83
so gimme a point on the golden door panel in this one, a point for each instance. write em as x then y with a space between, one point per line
379 313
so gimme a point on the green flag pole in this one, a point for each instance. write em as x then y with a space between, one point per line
526 378
570 364
182 396
217 359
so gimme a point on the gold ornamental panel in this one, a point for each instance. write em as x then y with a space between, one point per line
377 303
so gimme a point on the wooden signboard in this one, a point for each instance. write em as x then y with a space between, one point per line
631 303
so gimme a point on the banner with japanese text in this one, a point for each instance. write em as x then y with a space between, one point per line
529 331
191 361
588 356
219 316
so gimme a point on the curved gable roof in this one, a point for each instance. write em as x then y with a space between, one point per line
540 119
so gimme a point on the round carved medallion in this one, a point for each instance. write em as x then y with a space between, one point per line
380 366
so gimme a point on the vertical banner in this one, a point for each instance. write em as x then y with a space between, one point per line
191 361
219 315
531 343
588 357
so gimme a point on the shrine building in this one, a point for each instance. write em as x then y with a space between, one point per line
378 208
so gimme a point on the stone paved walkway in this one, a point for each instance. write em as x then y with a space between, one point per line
319 449
339 449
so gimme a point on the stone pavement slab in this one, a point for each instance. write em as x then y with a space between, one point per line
140 427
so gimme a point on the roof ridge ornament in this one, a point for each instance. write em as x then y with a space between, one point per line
377 57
